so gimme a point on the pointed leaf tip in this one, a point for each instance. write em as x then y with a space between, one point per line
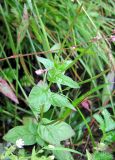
6 90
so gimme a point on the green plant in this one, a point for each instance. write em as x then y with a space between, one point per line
43 130
107 126
70 44
102 155
10 154
99 156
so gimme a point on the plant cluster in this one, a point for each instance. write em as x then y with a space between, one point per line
57 72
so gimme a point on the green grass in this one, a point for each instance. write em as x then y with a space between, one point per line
32 27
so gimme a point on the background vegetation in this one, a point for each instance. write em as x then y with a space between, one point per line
57 74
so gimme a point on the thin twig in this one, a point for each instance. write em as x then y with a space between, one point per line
49 51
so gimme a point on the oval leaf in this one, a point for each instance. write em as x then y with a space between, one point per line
60 101
26 133
39 98
48 64
54 133
7 91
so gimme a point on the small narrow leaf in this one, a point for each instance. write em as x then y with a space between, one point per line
100 120
89 156
65 80
55 48
110 137
61 148
46 62
109 122
106 122
64 65
109 88
56 76
60 101
7 91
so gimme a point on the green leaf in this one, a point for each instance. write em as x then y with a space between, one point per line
25 81
40 141
61 148
9 73
60 101
39 98
63 155
63 65
109 122
33 156
107 90
100 120
102 156
57 76
56 72
36 30
27 133
110 137
89 156
54 133
56 47
65 80
46 62
106 123
68 81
